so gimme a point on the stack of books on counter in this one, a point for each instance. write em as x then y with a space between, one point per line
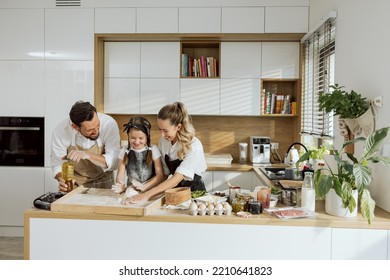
275 103
198 67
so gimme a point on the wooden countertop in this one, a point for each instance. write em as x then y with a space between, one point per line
381 221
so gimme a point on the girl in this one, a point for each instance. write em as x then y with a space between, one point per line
140 160
183 153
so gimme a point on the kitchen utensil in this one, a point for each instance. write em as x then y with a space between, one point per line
290 196
243 149
176 196
260 149
233 191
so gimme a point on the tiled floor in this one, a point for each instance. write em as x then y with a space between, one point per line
11 248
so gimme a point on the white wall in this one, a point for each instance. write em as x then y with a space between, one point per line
362 63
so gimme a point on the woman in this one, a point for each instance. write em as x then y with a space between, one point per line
184 159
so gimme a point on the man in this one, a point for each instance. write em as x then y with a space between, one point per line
91 140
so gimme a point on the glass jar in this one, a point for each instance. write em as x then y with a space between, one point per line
246 197
255 207
238 205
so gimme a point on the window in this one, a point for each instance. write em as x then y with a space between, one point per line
318 75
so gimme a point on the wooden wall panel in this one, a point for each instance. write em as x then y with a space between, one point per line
221 134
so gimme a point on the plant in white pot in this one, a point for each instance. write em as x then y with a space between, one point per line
352 174
351 107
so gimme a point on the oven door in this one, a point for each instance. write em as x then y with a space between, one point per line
21 141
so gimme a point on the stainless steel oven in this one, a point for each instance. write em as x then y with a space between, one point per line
22 141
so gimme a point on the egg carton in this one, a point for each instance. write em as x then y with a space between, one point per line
210 208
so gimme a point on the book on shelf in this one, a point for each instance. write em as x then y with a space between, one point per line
198 67
278 104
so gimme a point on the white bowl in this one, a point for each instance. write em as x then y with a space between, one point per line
272 202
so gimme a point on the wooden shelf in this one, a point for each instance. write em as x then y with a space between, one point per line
200 50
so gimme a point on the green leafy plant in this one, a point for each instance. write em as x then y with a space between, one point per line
346 105
352 173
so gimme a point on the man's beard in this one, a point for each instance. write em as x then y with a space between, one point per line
92 138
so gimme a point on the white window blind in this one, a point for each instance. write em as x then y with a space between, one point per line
318 75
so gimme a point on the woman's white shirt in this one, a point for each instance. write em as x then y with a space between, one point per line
193 163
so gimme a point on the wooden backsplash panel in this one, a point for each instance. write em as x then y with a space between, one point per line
221 134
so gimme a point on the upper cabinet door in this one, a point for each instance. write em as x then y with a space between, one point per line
115 20
201 96
280 60
22 34
157 20
286 19
155 93
240 97
199 20
122 59
69 34
241 60
243 20
160 59
22 88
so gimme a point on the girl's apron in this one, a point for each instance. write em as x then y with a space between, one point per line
87 173
137 167
195 185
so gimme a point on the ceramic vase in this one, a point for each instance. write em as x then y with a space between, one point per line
334 205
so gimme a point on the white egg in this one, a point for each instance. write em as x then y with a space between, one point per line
202 207
219 206
227 206
193 206
210 206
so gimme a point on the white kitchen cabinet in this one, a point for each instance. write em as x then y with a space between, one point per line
18 188
199 20
115 20
280 60
69 34
201 96
388 244
243 20
122 96
122 59
359 244
241 60
241 179
155 93
240 97
65 83
160 59
263 242
166 19
22 34
22 88
286 19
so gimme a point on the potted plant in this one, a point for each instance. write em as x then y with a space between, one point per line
351 107
352 174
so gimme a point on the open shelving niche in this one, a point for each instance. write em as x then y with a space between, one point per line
206 56
288 89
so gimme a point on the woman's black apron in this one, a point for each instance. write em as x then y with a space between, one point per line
195 185
137 167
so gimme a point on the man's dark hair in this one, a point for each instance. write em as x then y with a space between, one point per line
81 111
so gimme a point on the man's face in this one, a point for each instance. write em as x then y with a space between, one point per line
90 129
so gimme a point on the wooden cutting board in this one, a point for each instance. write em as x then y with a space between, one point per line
290 183
101 201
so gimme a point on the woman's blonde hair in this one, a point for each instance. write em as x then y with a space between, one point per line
177 114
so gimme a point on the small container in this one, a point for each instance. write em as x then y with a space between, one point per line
238 205
68 174
246 197
233 191
243 149
255 207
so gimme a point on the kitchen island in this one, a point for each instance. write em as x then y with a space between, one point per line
175 234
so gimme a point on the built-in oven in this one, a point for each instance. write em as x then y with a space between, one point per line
22 141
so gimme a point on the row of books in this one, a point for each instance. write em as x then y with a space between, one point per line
198 67
274 103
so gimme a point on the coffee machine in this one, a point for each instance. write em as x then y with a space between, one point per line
260 149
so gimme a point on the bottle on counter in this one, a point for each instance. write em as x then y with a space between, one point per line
308 197
68 174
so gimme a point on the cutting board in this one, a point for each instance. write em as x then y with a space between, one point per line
290 183
102 201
